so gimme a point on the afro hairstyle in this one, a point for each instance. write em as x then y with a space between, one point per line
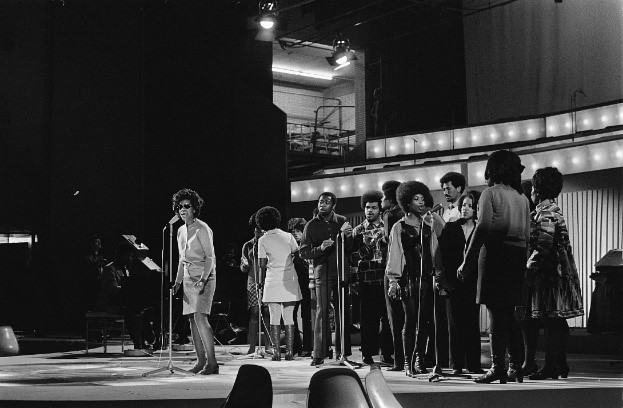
268 218
372 196
187 194
407 190
457 180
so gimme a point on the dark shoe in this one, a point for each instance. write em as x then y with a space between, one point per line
388 360
289 342
514 374
368 360
457 371
208 370
198 367
492 375
305 353
395 368
476 370
529 368
408 370
563 370
545 373
418 366
317 362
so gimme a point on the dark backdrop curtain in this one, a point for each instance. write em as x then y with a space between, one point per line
529 57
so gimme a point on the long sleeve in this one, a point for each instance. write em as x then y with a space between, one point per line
541 241
207 243
395 258
308 250
245 267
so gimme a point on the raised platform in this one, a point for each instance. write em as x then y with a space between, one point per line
74 379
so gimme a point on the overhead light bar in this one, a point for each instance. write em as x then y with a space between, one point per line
302 73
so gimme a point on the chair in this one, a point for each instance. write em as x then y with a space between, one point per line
336 388
103 321
253 388
378 391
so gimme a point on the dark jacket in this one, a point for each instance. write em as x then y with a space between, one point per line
316 231
452 244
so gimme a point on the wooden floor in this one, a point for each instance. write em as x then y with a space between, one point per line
76 379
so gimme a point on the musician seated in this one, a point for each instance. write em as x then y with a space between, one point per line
112 298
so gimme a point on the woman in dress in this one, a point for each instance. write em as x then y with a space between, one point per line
197 272
552 283
463 312
276 251
410 264
499 243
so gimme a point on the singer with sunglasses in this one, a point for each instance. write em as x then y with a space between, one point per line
197 272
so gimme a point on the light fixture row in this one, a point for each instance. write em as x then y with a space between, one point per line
499 133
570 160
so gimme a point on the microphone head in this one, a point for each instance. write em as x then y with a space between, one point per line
437 207
175 219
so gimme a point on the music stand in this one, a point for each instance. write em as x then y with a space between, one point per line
170 367
342 360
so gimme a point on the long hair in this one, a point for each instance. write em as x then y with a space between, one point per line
504 167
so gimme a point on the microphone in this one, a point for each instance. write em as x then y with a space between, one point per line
437 207
175 219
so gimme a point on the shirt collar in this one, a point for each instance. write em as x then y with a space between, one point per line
332 217
366 223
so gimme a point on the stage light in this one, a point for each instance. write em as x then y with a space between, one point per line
586 122
458 140
361 186
604 118
424 144
511 133
535 166
597 157
493 136
475 137
619 154
568 125
310 191
575 160
529 131
440 142
555 163
552 128
347 63
268 14
342 54
294 193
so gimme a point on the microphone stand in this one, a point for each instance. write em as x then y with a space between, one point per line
342 360
170 367
259 350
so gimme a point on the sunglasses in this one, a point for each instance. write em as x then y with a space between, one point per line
186 206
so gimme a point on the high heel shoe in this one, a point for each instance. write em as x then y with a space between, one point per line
197 367
545 373
514 374
492 375
208 369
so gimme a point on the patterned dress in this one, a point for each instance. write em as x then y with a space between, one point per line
551 272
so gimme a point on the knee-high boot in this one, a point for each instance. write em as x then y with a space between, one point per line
563 367
290 342
419 365
530 332
408 345
275 334
498 369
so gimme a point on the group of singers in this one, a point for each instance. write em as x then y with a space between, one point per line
421 275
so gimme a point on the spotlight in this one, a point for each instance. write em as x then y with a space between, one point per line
268 14
342 53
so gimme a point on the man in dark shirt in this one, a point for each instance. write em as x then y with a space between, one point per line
319 244
369 247
395 312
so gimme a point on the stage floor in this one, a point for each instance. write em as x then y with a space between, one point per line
72 379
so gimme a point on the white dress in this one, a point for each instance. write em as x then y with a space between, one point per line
281 283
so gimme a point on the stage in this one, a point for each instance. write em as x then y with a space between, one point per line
76 379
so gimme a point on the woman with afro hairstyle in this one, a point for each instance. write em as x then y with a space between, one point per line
197 272
499 243
551 277
276 251
410 272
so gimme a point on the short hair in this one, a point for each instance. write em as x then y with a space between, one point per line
457 180
475 196
187 194
389 189
296 224
505 167
372 196
329 194
267 218
252 220
547 183
407 190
